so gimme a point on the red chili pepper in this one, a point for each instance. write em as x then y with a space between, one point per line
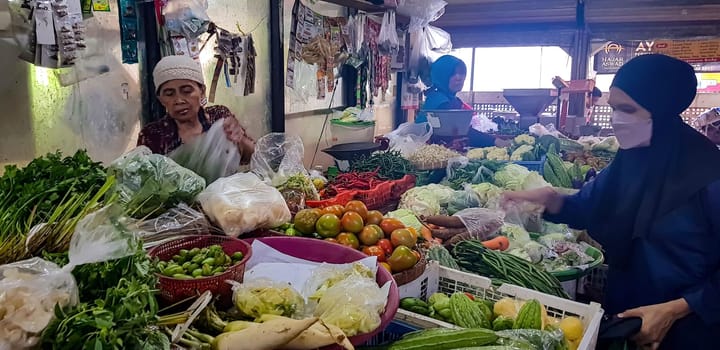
470 296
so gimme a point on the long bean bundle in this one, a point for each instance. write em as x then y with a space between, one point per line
389 165
473 257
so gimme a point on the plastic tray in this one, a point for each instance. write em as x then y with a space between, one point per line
538 166
173 290
321 251
377 198
444 280
394 331
575 273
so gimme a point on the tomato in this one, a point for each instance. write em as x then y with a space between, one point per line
370 235
413 231
348 239
374 250
331 240
352 222
374 217
402 259
385 245
386 266
358 207
328 226
403 237
417 254
337 210
317 212
305 221
390 225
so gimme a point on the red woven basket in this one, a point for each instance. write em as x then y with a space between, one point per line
173 290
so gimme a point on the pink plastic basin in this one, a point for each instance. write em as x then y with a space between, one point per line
321 251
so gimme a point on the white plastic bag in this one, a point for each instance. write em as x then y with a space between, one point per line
210 155
242 203
388 41
30 289
421 12
187 17
481 222
539 130
482 123
408 137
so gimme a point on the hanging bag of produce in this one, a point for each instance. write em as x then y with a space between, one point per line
31 289
210 155
187 17
388 41
278 161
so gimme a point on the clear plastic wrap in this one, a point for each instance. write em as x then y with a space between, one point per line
354 305
242 203
328 275
408 137
464 199
210 155
181 220
148 184
481 223
421 12
30 289
187 17
541 340
278 161
263 296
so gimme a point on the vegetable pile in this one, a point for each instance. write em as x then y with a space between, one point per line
428 155
506 324
351 181
49 188
198 263
390 165
389 239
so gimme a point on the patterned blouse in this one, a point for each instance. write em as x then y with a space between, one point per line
162 136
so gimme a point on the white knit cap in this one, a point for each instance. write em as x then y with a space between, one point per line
177 67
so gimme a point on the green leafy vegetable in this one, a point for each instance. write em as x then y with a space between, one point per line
150 184
390 165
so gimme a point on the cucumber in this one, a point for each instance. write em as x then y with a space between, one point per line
445 340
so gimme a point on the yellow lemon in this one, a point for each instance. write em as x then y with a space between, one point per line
572 327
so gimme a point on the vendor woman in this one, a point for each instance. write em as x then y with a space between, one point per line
448 77
180 87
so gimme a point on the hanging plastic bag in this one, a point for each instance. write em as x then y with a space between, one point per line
31 289
408 137
242 203
187 17
388 41
210 155
421 12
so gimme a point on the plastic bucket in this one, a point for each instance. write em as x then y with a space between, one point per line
351 132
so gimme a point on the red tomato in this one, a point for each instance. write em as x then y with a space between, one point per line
385 245
374 250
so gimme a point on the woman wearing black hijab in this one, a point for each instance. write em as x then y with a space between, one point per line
655 209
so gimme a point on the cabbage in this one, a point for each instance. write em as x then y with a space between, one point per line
261 297
354 305
407 217
516 234
511 177
489 195
426 200
534 181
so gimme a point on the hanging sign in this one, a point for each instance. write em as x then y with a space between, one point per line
703 54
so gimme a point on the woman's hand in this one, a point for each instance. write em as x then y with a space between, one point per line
546 197
233 130
656 321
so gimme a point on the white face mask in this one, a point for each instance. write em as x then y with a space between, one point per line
631 130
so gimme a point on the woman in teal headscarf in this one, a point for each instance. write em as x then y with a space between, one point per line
448 74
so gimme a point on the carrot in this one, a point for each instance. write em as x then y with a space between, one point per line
426 234
497 243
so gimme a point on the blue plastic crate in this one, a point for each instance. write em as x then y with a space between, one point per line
538 166
394 331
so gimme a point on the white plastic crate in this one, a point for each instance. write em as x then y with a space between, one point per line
449 281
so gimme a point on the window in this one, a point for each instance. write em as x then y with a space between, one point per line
501 68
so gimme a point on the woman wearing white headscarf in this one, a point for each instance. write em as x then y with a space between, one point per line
180 87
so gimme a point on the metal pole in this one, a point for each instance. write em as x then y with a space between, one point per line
277 81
